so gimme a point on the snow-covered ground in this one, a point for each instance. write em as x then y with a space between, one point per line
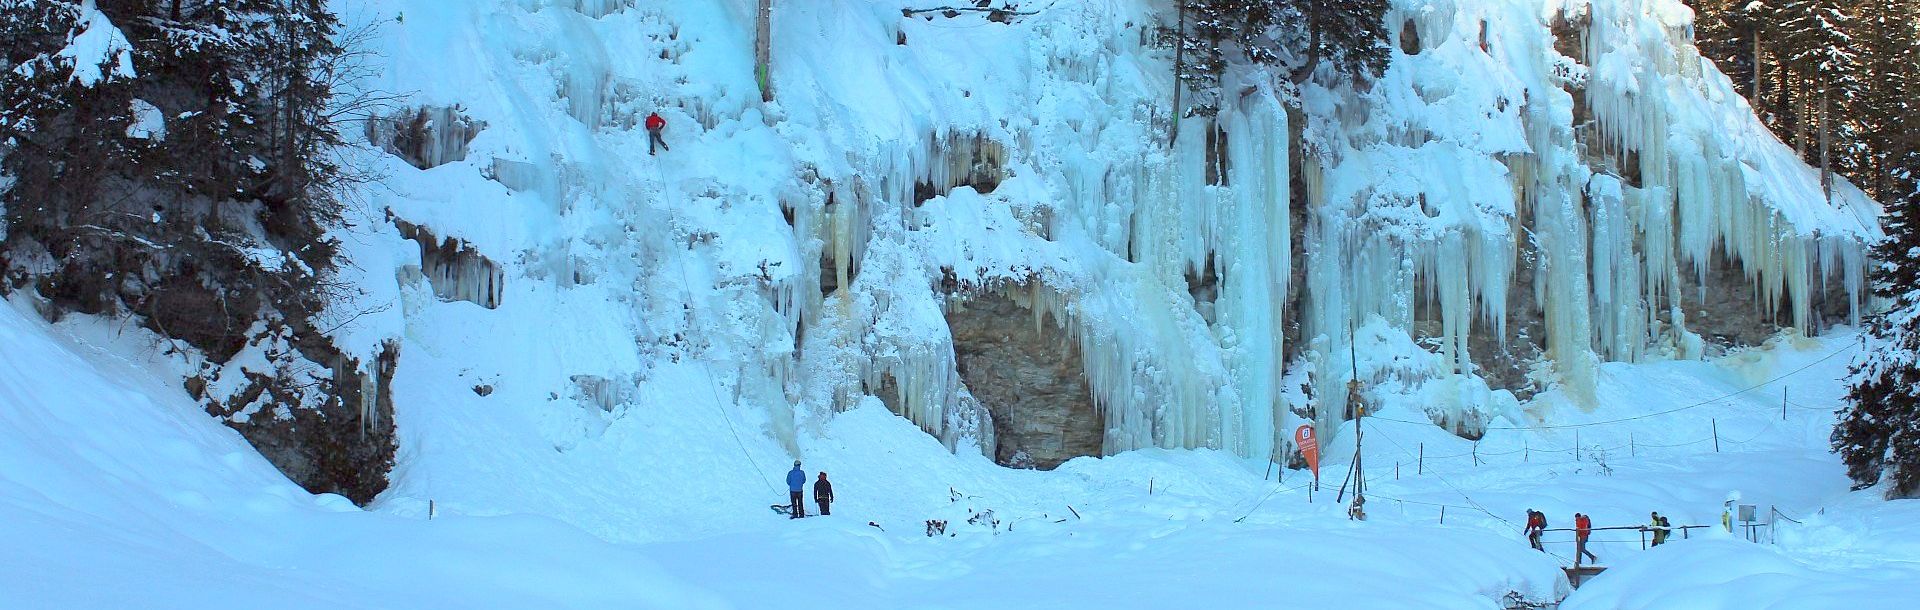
646 381
117 492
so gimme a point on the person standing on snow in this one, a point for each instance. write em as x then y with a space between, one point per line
654 125
1659 528
1582 527
1536 525
823 493
796 481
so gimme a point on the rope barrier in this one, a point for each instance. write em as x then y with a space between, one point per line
1658 413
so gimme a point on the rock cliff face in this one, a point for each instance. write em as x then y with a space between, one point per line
1028 374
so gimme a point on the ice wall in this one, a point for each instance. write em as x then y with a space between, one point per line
1531 186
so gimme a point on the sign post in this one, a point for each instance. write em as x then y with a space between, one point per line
1309 449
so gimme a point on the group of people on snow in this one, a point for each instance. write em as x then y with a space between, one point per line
1583 528
796 488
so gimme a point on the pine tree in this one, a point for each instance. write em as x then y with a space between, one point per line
1822 51
1348 35
1879 430
1885 106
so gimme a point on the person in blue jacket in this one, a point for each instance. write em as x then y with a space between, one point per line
796 481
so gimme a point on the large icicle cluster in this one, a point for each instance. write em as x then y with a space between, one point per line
1609 173
1533 187
1485 171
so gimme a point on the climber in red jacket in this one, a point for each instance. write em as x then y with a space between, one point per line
1582 527
654 125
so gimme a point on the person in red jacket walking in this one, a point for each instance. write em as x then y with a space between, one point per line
1536 524
1582 527
654 125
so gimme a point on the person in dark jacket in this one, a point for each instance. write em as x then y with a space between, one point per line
796 481
1659 528
654 125
823 493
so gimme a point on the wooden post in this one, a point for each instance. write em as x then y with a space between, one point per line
763 49
1783 403
429 510
1632 450
1443 515
1716 434
1396 470
1422 467
1576 445
1150 485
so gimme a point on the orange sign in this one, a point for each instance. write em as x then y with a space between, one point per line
1309 447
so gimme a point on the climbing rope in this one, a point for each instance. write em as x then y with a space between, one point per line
686 287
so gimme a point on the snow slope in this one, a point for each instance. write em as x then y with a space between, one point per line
117 492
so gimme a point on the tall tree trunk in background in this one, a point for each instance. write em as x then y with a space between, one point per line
763 49
1179 58
1758 69
1826 147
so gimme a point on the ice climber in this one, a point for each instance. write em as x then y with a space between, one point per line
1536 524
1582 527
796 481
654 125
823 493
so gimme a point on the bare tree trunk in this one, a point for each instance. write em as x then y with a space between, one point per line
1826 141
763 49
1179 57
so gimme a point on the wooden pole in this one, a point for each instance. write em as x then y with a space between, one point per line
1396 470
763 48
1526 451
1422 468
1716 434
1783 403
1632 450
1443 515
1576 445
